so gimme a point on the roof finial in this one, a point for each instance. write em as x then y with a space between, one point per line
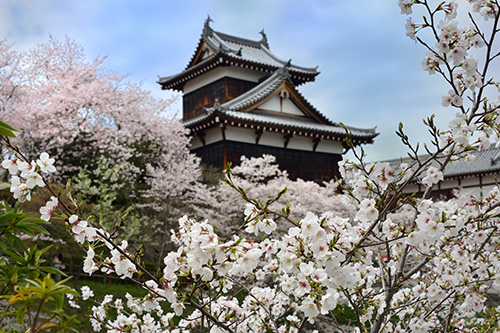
264 38
206 28
289 63
283 71
217 104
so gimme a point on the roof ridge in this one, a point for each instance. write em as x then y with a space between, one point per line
238 40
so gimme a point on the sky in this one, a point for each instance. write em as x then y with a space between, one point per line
371 73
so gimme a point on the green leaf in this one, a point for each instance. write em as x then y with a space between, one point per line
14 327
283 191
8 126
59 302
51 270
14 275
20 315
47 325
228 167
37 229
6 132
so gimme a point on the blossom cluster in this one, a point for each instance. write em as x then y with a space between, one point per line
322 263
452 56
25 176
309 273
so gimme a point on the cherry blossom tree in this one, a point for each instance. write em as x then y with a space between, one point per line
427 270
262 178
82 113
78 111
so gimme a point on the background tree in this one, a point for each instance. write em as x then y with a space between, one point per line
262 178
95 121
79 111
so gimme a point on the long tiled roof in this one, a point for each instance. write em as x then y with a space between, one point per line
299 125
236 51
486 161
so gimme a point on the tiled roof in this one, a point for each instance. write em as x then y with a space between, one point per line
291 123
232 110
297 123
237 51
251 51
487 161
259 92
263 90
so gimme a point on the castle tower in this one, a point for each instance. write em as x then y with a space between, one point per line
240 99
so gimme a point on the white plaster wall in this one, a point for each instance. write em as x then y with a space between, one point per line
411 188
327 146
300 143
468 185
449 183
490 180
272 139
220 72
273 104
471 181
290 108
240 134
195 142
213 135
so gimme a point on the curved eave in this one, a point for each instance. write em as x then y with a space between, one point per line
292 66
316 112
298 77
218 118
177 81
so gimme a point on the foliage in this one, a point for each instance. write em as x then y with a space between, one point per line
81 306
105 188
28 291
79 111
84 114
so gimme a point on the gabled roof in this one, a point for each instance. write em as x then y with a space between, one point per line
224 49
268 87
242 109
